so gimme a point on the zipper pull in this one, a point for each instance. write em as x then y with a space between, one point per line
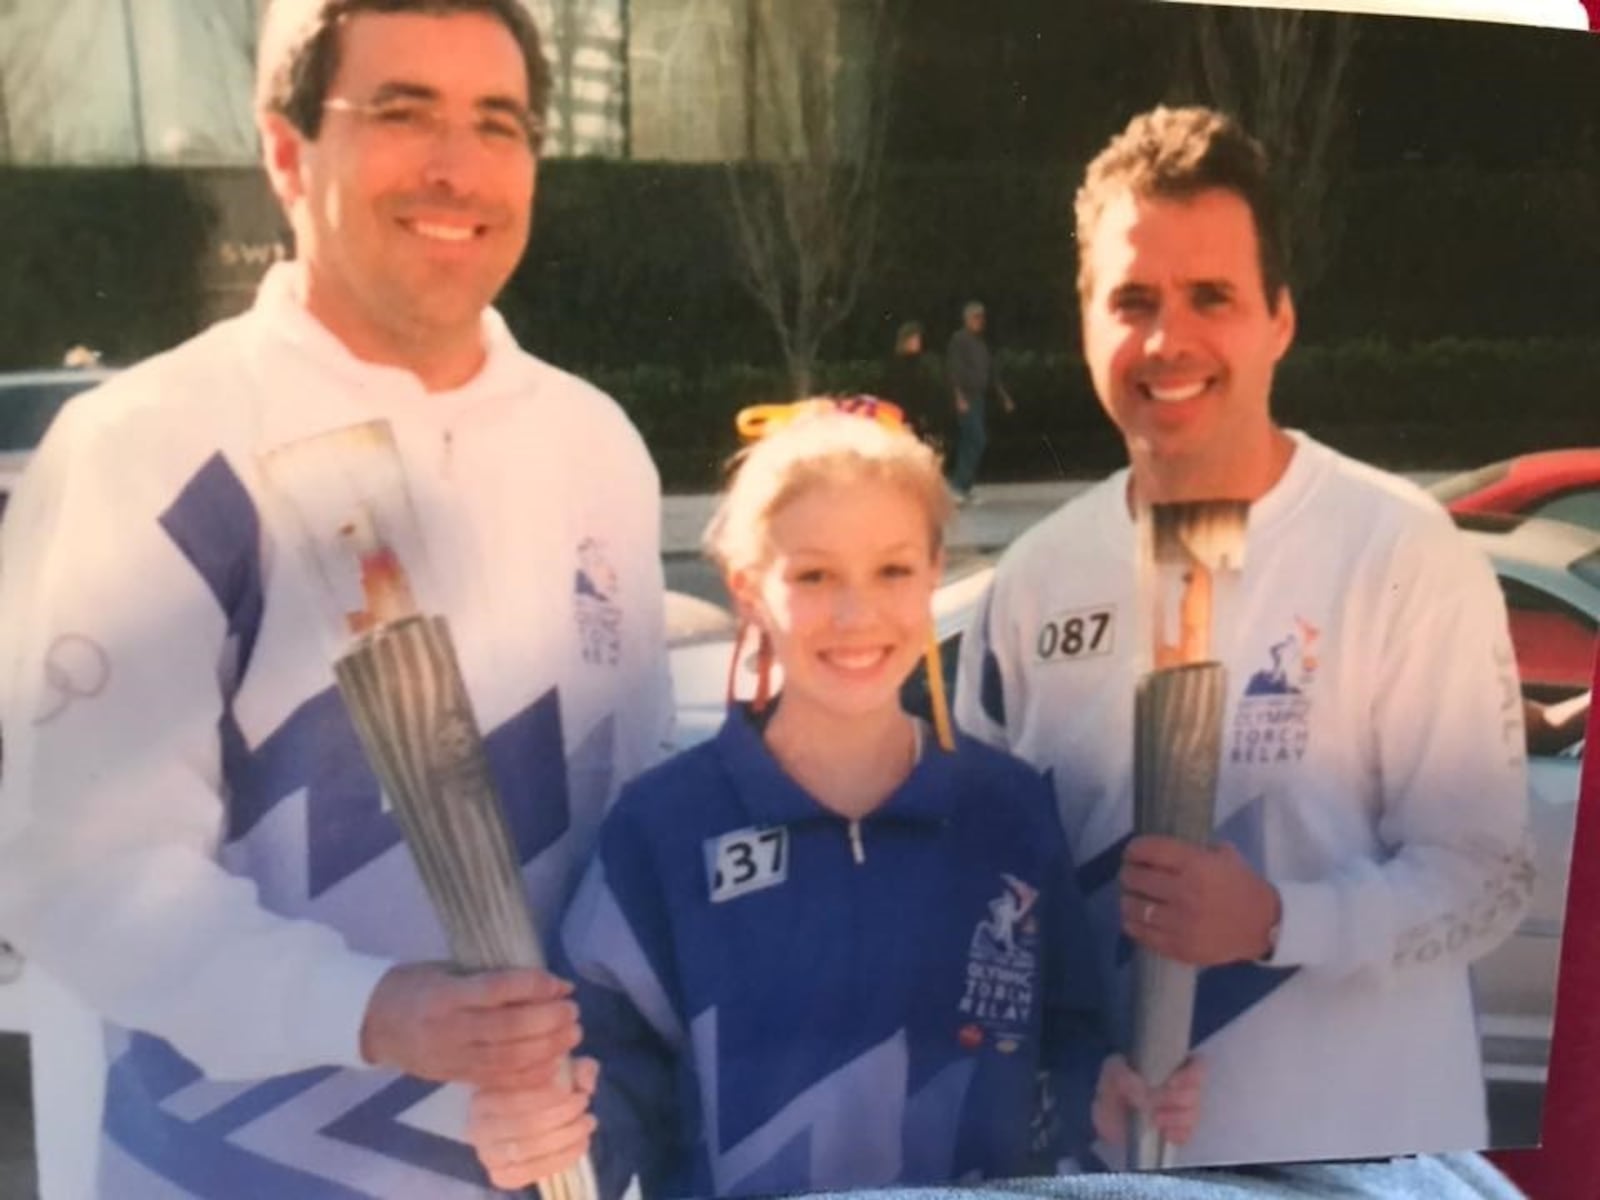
857 850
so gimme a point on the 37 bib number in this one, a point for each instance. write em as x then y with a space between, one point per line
747 861
1074 635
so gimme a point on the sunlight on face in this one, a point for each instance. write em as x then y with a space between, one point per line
1179 336
845 594
410 224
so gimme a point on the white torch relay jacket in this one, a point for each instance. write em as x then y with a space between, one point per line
189 835
1373 769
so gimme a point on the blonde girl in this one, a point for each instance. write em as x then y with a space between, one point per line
834 946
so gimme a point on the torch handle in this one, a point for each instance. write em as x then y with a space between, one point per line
1177 750
403 688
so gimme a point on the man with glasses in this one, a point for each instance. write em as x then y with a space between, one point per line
194 844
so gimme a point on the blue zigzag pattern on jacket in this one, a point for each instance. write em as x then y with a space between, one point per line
317 749
216 526
1222 993
196 1155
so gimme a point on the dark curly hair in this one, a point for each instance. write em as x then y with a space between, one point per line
1174 154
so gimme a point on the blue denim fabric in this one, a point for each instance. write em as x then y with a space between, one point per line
972 435
1440 1177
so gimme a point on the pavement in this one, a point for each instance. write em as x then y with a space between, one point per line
17 1171
1001 511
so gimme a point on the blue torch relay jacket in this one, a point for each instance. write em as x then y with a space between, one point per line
783 1000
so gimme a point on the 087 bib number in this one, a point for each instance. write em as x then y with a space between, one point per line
1075 635
747 861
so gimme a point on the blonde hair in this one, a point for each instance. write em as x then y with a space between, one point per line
827 447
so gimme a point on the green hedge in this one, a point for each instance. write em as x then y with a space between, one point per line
1461 252
110 258
1431 405
631 262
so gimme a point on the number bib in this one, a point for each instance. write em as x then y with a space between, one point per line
1077 634
746 860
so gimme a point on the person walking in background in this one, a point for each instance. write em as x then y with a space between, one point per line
973 379
909 379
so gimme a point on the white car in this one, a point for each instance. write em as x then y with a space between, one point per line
1550 574
29 401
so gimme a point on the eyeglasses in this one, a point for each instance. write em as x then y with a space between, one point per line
412 121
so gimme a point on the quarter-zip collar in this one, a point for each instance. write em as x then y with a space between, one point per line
1274 511
290 343
767 793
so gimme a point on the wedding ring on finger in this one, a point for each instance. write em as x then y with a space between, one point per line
1148 916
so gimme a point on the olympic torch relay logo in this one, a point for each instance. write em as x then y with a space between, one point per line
1002 970
1273 722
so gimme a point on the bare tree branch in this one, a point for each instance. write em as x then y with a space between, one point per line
804 207
1282 74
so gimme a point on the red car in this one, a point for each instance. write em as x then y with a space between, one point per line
1559 485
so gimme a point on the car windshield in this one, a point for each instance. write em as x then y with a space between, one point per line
1448 491
1587 568
27 408
1580 506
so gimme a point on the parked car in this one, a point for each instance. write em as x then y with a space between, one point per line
1559 485
29 401
1550 575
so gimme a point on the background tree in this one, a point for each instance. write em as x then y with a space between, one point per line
231 33
1282 73
804 204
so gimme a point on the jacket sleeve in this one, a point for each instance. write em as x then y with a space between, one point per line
646 724
112 656
980 700
1077 1037
614 948
958 366
1451 775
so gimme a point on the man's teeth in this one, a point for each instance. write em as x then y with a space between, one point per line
1172 395
444 233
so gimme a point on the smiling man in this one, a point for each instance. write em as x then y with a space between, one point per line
1370 830
191 839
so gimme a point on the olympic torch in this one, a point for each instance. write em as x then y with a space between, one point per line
1191 555
401 683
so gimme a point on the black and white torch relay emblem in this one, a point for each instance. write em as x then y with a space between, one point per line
75 668
597 604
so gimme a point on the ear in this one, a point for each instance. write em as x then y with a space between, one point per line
283 149
742 587
1283 322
